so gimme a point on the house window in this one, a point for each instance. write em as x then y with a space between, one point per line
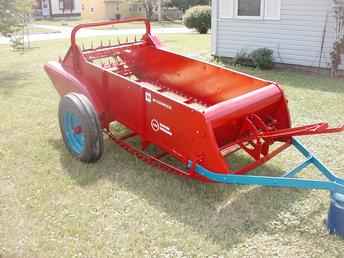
249 7
61 4
66 4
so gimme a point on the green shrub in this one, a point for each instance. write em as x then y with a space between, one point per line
199 18
243 58
262 58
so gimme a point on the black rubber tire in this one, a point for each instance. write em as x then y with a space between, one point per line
80 105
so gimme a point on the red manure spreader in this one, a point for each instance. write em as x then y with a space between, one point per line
196 112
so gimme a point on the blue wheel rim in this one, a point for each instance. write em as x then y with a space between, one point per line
75 137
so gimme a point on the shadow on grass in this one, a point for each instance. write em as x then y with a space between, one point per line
224 214
82 173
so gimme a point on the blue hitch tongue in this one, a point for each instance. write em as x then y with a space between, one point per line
334 184
335 220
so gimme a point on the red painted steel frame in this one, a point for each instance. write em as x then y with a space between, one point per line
192 110
105 23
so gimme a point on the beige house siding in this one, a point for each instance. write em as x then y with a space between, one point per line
110 9
91 9
117 9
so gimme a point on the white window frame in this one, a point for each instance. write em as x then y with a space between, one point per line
232 13
260 17
61 4
277 17
223 12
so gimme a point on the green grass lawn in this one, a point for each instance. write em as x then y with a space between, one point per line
42 31
51 205
35 30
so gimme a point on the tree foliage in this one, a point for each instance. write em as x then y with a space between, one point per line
338 46
13 14
199 18
186 4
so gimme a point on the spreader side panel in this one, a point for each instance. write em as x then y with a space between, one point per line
124 101
181 131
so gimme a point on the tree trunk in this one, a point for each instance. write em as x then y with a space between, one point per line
159 11
149 9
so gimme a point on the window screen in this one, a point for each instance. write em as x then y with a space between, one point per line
68 4
249 7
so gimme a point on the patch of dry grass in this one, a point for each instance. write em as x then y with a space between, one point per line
54 206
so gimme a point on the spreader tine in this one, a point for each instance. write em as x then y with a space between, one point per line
83 46
101 44
117 60
109 42
91 44
135 39
118 41
127 39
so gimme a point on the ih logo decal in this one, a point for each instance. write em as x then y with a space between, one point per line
148 97
157 126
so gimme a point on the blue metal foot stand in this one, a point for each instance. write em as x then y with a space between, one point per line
334 184
335 219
